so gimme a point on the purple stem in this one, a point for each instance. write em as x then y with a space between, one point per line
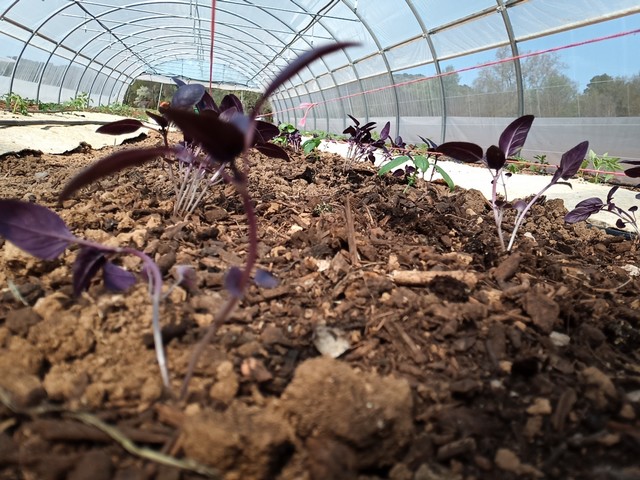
155 287
240 182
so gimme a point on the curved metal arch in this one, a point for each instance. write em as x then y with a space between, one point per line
383 54
125 59
34 33
330 71
153 17
502 8
289 46
436 64
137 70
108 12
92 60
151 57
135 45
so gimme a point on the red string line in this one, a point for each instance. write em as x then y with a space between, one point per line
213 31
475 67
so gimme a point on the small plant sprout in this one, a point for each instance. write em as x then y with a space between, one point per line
569 165
224 136
590 206
421 164
602 165
510 144
43 234
362 145
289 137
192 170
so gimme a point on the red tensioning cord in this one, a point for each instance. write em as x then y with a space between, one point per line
213 31
466 69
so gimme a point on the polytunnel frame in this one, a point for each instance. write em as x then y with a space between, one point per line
316 18
110 31
36 32
92 62
123 79
271 47
131 76
501 7
103 65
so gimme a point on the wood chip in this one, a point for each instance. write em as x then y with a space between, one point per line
419 278
507 268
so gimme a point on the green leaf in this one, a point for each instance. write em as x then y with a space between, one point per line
421 162
396 162
310 145
445 176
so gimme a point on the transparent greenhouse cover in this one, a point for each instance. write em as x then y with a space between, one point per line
436 68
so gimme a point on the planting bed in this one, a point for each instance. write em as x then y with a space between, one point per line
464 362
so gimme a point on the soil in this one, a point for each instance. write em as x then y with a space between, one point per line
461 361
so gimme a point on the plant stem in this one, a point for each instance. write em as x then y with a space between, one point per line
523 213
240 182
155 291
497 211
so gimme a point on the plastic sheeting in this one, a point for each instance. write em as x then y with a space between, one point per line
431 67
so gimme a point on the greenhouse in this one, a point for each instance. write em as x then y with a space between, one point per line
430 69
319 239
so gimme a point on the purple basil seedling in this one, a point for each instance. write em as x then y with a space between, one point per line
192 169
43 234
224 136
569 165
590 206
510 143
362 145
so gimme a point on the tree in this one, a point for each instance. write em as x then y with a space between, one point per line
606 96
547 91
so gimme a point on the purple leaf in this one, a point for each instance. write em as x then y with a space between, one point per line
233 281
222 140
178 81
85 267
620 223
34 229
265 279
570 162
430 143
186 276
187 96
117 278
513 137
632 172
463 151
272 151
207 103
354 120
611 192
519 205
110 165
265 131
297 65
384 133
159 119
584 210
120 127
495 158
231 101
